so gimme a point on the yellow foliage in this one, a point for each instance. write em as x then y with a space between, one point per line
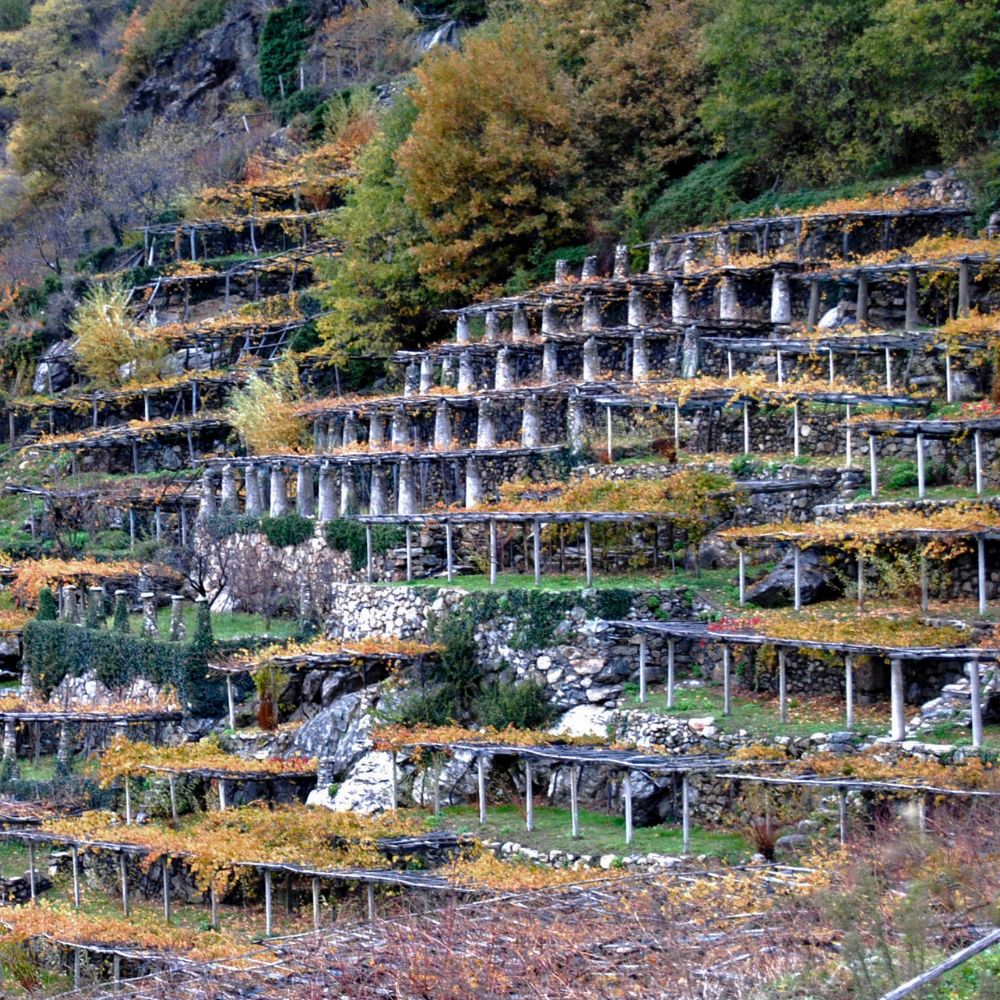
264 411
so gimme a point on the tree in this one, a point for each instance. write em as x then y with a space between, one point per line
263 412
490 166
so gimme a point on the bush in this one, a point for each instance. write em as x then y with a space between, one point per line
227 523
520 705
47 611
349 536
289 529
900 475
282 45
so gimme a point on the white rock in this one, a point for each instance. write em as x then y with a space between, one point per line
368 786
583 720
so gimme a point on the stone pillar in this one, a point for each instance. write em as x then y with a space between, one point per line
348 496
10 749
279 492
781 298
636 308
230 497
912 320
550 362
69 602
690 353
550 318
350 432
462 329
729 306
426 374
400 428
621 261
305 503
519 324
504 374
473 483
95 607
861 308
376 430
575 418
589 269
680 308
178 630
591 360
492 334
591 320
64 748
406 502
657 261
255 505
378 504
149 626
411 380
640 358
264 484
319 436
485 430
206 497
327 508
442 427
466 379
531 436
963 288
447 370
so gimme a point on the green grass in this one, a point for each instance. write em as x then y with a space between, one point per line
948 492
225 625
948 732
969 981
599 832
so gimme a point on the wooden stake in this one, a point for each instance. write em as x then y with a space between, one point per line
896 692
743 576
588 553
670 673
123 872
393 783
976 700
268 908
31 872
981 559
537 550
627 795
725 681
782 686
165 861
75 855
686 813
842 797
371 903
529 797
213 900
449 552
232 701
849 689
481 786
315 902
574 805
493 553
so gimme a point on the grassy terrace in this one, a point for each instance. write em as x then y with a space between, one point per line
225 625
599 832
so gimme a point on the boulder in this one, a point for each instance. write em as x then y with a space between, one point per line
367 788
54 371
338 733
583 720
817 582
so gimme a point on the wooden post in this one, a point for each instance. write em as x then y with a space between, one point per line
75 855
976 700
537 550
924 586
911 320
746 427
842 809
888 370
493 552
670 673
812 317
222 794
921 467
977 438
31 871
449 551
393 783
861 582
128 801
371 902
947 377
729 363
849 689
173 797
782 686
795 429
897 691
981 559
963 288
165 862
677 427
574 802
627 796
588 553
77 979
230 697
315 902
409 552
873 463
268 904
830 365
213 901
642 669
797 577
123 872
686 813
529 798
481 786
743 577
861 310
725 681
610 452
368 551
848 439
780 369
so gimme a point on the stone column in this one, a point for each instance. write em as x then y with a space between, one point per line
64 748
492 334
406 502
10 749
279 491
591 360
640 358
95 607
348 495
636 308
550 318
485 430
519 324
442 426
305 503
264 485
531 436
376 430
400 428
575 416
473 483
657 262
327 501
319 435
861 308
69 602
621 261
589 269
426 374
729 306
466 379
178 630
912 320
378 504
690 353
504 374
206 499
781 298
462 329
230 497
680 308
562 271
550 361
255 505
448 370
149 626
349 436
411 380
591 319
